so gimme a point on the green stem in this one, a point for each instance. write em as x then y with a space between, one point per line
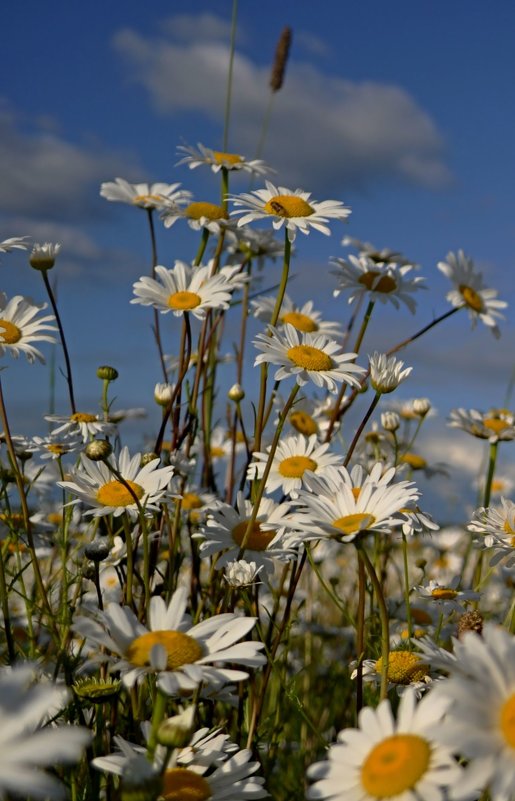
202 247
157 329
492 460
383 614
361 426
407 588
68 376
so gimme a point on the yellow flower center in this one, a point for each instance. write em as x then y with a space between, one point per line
56 448
226 158
181 649
499 485
182 784
83 417
443 594
190 500
508 720
385 284
471 297
309 358
508 528
416 633
55 518
142 200
184 301
288 206
195 211
420 615
352 524
300 321
9 333
415 461
395 765
295 466
114 493
496 424
404 667
257 540
217 451
303 423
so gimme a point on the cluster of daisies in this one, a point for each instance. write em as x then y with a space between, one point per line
176 619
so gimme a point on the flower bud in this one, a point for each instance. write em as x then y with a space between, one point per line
390 421
107 373
98 449
236 393
148 457
175 732
43 257
163 394
421 406
97 550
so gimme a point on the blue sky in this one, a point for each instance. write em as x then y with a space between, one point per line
405 111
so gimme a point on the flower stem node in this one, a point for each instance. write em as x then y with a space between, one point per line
97 550
98 450
107 373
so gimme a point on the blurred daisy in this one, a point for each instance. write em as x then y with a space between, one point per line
96 486
353 504
19 327
182 655
293 209
448 597
241 573
470 291
383 256
254 244
54 447
496 524
294 457
386 282
217 159
303 318
386 372
225 533
83 423
14 243
143 195
400 760
184 289
405 668
481 689
495 425
199 215
307 357
27 746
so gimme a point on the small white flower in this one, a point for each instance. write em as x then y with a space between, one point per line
19 327
307 357
143 195
304 318
217 160
386 372
241 573
384 281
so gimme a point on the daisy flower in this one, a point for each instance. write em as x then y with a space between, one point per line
14 243
495 425
241 573
198 772
217 160
199 214
387 282
470 291
292 208
184 288
401 760
254 244
385 255
449 598
181 655
42 257
405 669
226 527
303 318
143 195
52 447
19 327
307 357
386 372
293 458
95 485
481 720
27 746
496 524
353 504
83 423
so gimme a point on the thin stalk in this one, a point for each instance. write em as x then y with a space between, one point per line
407 588
492 460
361 426
156 329
383 614
68 376
360 634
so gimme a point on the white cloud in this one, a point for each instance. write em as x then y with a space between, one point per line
325 130
46 176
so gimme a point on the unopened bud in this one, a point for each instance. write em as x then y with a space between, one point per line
97 550
98 449
107 373
421 406
43 257
390 421
175 732
236 393
163 394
